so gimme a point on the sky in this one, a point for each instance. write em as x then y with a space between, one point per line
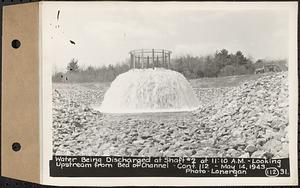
104 33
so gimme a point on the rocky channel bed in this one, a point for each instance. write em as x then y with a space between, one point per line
249 120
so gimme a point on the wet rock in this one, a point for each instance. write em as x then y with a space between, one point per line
245 155
261 141
236 133
153 152
268 155
145 136
200 154
144 151
132 151
169 153
138 142
283 153
250 148
232 152
183 126
258 154
273 146
180 153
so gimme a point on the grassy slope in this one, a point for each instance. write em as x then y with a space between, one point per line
228 81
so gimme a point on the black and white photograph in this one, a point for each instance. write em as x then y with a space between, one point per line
175 80
171 83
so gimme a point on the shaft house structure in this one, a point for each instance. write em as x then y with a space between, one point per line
150 58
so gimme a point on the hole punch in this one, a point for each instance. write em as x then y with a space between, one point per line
16 44
16 146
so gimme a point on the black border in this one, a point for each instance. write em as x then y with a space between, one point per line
12 183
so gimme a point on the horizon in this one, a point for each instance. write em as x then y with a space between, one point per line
126 61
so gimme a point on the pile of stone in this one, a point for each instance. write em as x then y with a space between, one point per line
72 112
250 120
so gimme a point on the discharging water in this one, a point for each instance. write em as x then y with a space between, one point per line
149 90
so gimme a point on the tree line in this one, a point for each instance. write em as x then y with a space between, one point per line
222 63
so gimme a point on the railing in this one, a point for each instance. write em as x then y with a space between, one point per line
150 58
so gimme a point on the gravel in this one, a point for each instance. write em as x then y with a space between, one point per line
248 120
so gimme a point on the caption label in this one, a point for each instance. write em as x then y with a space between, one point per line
110 166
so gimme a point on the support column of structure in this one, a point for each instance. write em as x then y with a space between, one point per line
131 60
142 57
169 59
139 60
147 62
134 60
163 58
153 61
